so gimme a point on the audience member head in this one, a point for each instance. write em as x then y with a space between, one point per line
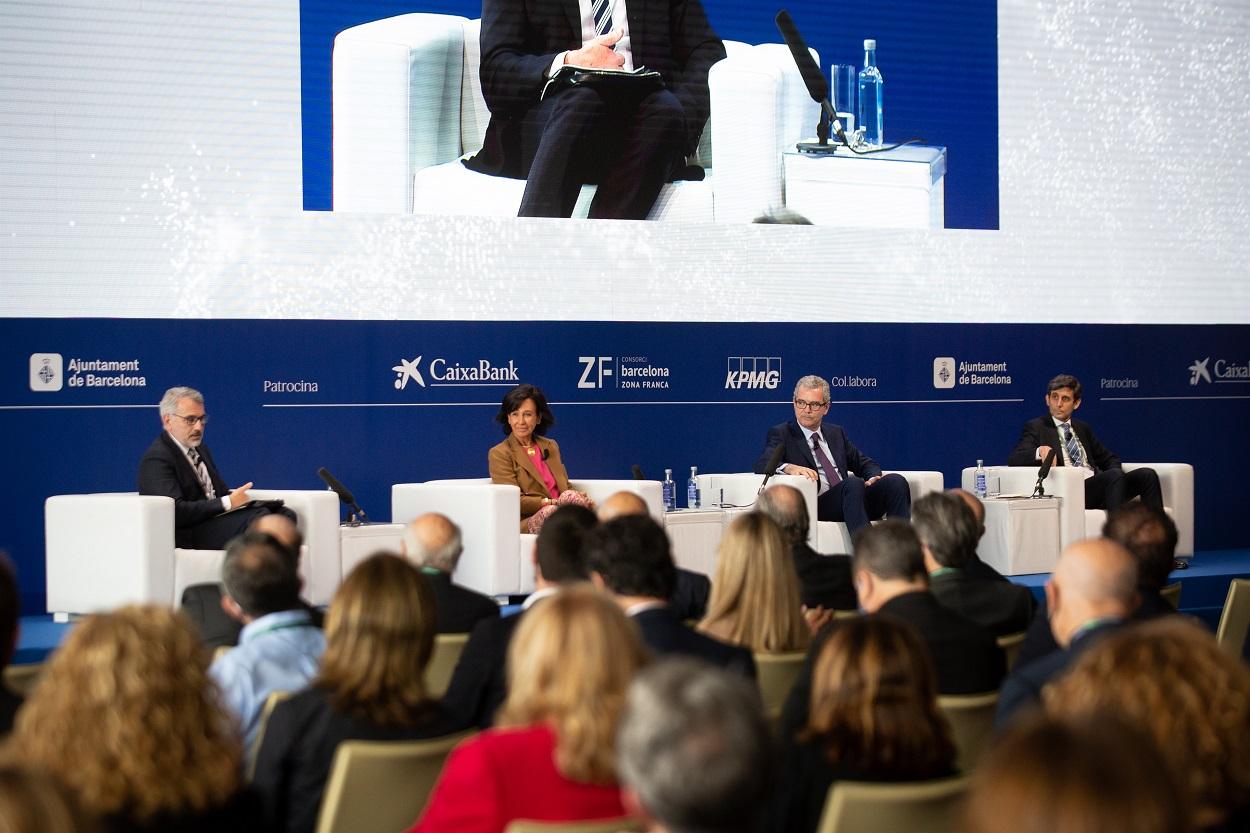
513 401
947 530
975 504
183 416
126 716
33 802
1150 536
694 749
282 529
569 665
630 557
755 592
10 611
559 552
620 504
379 637
786 506
1083 776
433 540
258 577
888 562
874 702
1094 579
1171 678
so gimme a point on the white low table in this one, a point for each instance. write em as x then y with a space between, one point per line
360 542
694 535
900 188
1021 535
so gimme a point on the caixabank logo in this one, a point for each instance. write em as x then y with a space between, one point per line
483 373
1220 371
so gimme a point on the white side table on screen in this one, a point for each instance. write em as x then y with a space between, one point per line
1021 535
900 188
694 535
360 542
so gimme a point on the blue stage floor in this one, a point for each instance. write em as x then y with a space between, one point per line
1203 588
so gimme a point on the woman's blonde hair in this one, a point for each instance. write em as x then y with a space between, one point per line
34 802
126 716
569 665
874 702
379 637
1171 678
755 592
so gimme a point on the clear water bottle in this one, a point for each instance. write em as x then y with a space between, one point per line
870 91
693 500
670 491
979 478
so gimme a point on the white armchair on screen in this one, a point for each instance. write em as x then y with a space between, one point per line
826 537
496 558
1176 480
408 104
110 549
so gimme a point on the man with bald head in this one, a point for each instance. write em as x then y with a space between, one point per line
692 590
977 568
432 542
824 580
1091 592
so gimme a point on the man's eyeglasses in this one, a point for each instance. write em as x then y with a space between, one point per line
202 419
804 405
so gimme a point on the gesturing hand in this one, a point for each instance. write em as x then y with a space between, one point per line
597 53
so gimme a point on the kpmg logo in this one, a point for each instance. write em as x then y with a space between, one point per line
47 372
482 373
1221 370
752 372
1198 370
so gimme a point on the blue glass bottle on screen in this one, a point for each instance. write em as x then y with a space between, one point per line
693 498
670 491
870 92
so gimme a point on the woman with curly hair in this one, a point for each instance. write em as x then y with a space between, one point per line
1170 677
552 755
755 592
127 718
873 717
379 637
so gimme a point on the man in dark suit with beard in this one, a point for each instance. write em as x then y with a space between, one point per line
629 141
1107 484
179 465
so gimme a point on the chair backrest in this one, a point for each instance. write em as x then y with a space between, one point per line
266 711
381 786
1235 620
1010 643
921 807
775 674
1172 595
447 650
624 823
971 717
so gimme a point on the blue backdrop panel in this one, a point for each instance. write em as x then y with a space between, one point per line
289 396
939 61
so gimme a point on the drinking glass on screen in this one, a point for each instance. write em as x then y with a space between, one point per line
844 81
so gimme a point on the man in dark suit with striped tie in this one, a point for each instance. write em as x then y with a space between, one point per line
178 465
1107 484
851 486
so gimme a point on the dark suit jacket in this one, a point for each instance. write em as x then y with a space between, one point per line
1039 641
202 604
1042 431
165 470
966 655
1001 606
824 580
664 633
846 456
510 465
521 38
458 608
240 814
299 745
479 685
690 595
1023 688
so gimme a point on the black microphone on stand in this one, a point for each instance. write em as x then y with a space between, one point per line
817 87
1039 490
345 496
774 460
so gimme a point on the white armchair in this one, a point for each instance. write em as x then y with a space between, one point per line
110 549
1176 480
408 105
497 556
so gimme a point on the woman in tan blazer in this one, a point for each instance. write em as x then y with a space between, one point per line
526 458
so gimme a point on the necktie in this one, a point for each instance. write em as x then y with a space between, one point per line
1070 443
201 471
822 460
601 11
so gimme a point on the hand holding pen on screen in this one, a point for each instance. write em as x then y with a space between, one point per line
598 53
